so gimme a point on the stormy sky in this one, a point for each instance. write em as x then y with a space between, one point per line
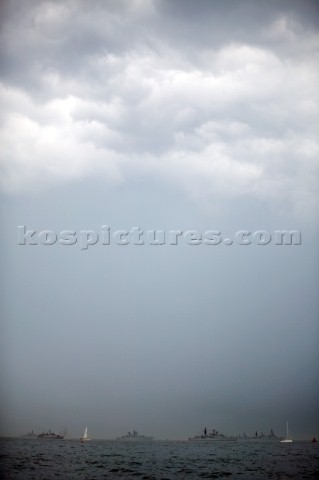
193 116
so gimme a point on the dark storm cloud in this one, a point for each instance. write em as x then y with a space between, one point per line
62 36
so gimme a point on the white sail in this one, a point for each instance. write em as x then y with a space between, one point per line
85 437
287 439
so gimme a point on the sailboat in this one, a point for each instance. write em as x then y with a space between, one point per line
85 437
287 439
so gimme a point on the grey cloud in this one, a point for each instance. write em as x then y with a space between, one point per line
176 114
62 36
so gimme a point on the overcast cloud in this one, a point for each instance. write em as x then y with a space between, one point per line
219 98
164 114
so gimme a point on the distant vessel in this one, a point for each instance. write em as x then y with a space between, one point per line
135 437
287 439
85 437
51 436
29 435
214 435
261 437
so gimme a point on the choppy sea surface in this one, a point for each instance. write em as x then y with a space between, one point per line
104 459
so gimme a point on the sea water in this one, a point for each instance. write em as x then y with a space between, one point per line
103 459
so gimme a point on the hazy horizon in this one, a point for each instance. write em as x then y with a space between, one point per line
164 115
